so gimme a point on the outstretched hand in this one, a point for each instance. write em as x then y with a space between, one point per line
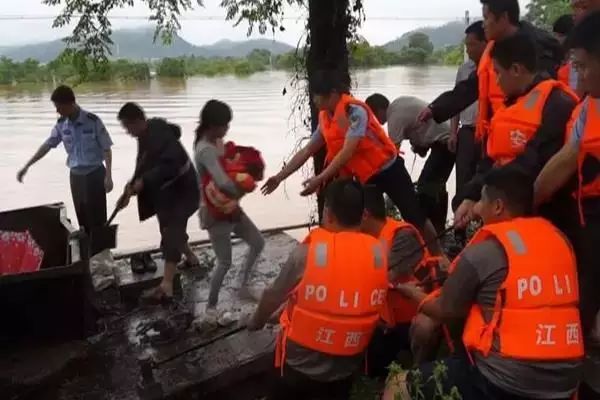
270 185
311 186
21 174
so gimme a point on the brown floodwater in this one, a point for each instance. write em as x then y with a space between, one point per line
262 118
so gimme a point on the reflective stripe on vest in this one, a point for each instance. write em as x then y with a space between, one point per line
373 151
335 308
536 315
398 309
512 127
491 97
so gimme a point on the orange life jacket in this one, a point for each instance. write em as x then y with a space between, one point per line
588 161
398 309
373 151
564 73
491 96
335 307
536 315
513 127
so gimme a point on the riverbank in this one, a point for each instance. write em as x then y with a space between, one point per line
73 68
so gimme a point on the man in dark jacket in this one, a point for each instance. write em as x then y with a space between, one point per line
501 19
166 185
514 60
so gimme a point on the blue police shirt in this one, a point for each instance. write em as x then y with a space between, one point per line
85 139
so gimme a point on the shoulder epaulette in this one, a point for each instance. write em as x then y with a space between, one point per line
93 117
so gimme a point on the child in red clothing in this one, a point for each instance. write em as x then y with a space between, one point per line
245 168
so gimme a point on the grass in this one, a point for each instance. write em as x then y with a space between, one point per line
371 389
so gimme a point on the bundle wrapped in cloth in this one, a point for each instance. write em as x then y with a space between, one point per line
245 167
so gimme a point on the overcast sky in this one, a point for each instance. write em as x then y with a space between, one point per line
386 20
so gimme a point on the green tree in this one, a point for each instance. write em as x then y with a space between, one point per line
7 71
413 55
259 59
172 68
421 41
543 13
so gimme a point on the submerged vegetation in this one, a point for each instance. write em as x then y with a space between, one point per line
73 67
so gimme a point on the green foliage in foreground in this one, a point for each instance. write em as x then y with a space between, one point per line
73 68
369 389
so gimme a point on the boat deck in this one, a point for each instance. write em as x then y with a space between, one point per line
106 366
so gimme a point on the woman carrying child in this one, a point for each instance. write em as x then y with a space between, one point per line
220 222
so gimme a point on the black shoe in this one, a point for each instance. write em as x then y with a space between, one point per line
149 264
137 264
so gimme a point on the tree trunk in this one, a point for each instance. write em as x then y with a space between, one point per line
328 23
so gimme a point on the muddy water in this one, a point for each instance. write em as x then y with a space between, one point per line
261 118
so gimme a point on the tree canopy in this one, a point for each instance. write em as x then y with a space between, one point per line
543 13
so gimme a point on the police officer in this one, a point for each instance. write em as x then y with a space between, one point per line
89 157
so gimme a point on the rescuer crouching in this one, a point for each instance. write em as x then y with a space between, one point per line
536 351
335 285
408 261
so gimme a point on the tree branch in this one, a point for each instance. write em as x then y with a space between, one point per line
91 34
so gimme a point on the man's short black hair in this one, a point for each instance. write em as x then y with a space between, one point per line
563 25
345 199
476 28
513 186
499 7
63 95
516 49
131 112
374 202
586 34
377 101
327 81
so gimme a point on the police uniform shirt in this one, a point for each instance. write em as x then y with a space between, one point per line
85 140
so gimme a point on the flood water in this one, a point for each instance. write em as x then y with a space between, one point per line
262 118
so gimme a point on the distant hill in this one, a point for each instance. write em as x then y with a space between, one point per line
449 34
137 44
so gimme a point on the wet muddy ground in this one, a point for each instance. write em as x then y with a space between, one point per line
105 367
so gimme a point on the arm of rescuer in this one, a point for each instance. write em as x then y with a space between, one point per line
546 142
276 295
480 263
52 142
315 144
452 102
359 120
562 166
